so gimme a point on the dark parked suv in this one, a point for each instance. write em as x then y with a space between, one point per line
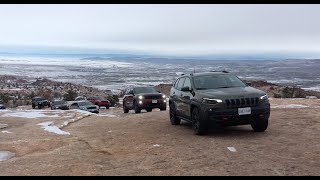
147 98
40 102
218 99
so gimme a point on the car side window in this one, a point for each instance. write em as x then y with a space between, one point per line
180 83
175 85
187 83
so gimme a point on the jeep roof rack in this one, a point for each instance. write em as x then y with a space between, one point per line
224 71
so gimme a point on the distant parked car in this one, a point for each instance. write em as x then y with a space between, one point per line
99 101
2 106
147 98
59 104
85 105
40 102
80 98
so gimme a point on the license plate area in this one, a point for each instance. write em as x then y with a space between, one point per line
244 111
154 101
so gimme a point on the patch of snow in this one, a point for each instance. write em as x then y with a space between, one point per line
29 114
290 106
66 123
6 132
107 115
232 149
54 129
3 124
109 131
5 155
156 145
82 112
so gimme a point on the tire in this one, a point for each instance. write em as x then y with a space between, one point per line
149 110
39 107
173 117
260 125
33 106
163 109
125 109
136 108
107 107
199 125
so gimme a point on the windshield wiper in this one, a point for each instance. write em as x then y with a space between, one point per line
224 87
201 88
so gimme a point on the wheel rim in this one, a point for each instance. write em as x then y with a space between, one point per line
195 120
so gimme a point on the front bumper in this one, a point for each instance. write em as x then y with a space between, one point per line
147 103
230 116
93 110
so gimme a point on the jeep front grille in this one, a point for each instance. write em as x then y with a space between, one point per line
153 97
242 102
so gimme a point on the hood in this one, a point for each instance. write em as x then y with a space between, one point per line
89 106
61 105
229 93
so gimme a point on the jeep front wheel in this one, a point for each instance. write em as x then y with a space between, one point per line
136 108
125 109
198 124
173 117
259 125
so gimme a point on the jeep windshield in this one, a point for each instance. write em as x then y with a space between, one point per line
39 99
217 81
59 103
140 90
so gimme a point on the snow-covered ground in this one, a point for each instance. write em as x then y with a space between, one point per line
29 114
5 155
290 106
50 120
47 126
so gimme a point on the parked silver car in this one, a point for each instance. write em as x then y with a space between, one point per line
85 106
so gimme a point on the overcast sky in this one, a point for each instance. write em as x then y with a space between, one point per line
164 29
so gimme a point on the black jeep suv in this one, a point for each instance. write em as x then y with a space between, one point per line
40 102
218 99
147 98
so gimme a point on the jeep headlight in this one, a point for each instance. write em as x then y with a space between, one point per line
264 98
163 96
140 97
211 101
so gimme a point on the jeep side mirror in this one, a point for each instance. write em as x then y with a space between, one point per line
186 88
249 84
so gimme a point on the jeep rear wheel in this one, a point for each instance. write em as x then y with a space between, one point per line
33 106
136 108
259 125
198 124
173 117
148 110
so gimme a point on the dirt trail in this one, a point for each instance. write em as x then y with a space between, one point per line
114 143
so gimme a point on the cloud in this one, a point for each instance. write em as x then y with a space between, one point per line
172 29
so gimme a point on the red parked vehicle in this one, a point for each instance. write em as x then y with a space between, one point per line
99 101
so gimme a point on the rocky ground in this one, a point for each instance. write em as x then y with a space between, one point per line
113 143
